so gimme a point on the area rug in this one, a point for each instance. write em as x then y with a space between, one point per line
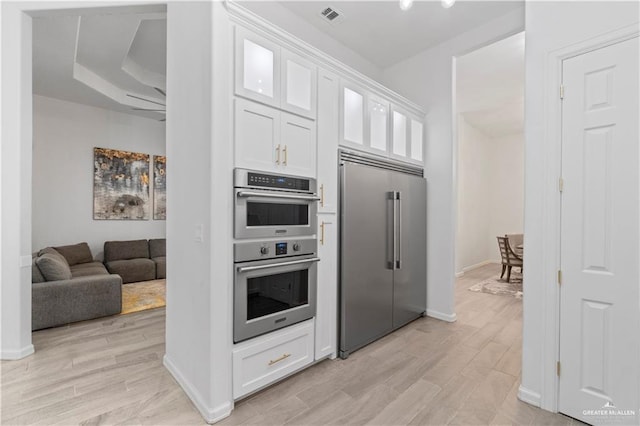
143 295
501 287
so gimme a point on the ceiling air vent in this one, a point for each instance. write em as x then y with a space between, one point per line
331 15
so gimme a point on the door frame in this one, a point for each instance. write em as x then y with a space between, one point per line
551 237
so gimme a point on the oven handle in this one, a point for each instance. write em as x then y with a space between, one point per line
272 195
275 265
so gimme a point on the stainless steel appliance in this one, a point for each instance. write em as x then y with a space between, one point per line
382 248
268 205
275 285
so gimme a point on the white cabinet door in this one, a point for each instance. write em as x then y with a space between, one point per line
257 136
399 134
416 144
257 68
352 116
298 145
328 101
378 118
327 311
298 85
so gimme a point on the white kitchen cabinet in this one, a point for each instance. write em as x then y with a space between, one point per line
327 312
328 133
298 85
417 141
399 133
297 145
257 136
257 68
352 115
265 359
378 118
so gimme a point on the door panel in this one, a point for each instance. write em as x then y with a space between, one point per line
410 275
298 145
257 133
600 294
328 102
366 281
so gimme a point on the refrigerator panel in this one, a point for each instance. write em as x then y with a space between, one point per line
410 275
366 284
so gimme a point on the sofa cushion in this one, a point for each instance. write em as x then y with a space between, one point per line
75 254
133 270
36 275
161 266
53 268
53 252
88 269
123 250
157 248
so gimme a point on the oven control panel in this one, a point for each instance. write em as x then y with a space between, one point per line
278 182
258 250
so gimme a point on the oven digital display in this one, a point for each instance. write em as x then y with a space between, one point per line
281 248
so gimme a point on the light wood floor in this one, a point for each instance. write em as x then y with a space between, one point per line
109 371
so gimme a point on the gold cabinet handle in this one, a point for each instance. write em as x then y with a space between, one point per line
278 152
277 360
322 233
284 151
322 195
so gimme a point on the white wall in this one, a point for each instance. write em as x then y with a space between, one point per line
64 135
427 79
474 193
490 193
199 270
549 26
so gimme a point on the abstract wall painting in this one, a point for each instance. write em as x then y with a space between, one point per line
159 187
120 185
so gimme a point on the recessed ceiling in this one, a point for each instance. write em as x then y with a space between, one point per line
385 35
115 61
490 87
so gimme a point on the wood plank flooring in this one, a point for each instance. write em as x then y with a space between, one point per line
109 371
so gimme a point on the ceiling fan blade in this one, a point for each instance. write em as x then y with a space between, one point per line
163 119
145 109
162 92
143 99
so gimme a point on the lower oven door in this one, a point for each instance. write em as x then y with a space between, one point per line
269 295
261 213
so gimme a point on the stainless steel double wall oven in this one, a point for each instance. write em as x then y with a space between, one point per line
275 252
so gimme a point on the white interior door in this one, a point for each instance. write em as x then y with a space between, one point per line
600 292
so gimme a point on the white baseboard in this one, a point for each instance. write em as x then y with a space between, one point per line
478 265
210 415
10 355
441 316
529 396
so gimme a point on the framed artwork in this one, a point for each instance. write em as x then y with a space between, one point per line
120 185
159 187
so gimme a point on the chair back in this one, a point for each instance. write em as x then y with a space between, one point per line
503 244
514 241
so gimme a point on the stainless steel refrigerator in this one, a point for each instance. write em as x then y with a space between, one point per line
382 248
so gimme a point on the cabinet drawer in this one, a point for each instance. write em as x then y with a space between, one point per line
264 360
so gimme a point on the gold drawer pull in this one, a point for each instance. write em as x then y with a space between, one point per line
282 358
322 195
322 233
278 151
284 151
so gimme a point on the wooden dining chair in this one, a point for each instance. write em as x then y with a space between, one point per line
509 257
515 242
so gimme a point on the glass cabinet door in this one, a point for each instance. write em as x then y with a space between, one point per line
257 68
352 116
378 124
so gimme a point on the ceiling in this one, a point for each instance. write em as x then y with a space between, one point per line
490 87
113 60
385 35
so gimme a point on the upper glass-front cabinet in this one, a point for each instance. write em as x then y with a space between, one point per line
378 123
352 117
407 136
257 68
269 74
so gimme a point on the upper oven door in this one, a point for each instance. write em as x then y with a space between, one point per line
262 213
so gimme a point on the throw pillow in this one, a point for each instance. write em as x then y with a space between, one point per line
53 252
36 275
52 268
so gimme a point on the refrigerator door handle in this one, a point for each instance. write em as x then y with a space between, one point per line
391 264
398 231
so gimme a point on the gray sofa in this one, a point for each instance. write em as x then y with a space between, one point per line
158 253
129 259
69 286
